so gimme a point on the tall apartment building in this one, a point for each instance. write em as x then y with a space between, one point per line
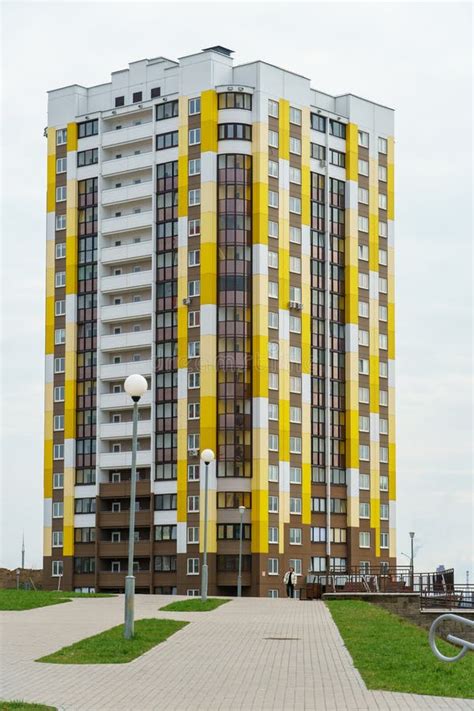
227 232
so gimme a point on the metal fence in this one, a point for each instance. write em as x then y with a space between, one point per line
459 597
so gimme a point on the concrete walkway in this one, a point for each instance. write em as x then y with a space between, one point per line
251 655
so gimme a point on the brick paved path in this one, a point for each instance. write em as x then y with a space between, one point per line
224 661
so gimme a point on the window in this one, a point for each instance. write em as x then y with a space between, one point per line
59 335
57 541
364 252
384 510
59 310
336 128
382 201
166 140
193 472
273 381
61 165
384 538
382 173
61 193
273 504
318 534
272 534
235 100
383 229
193 504
193 411
382 144
383 257
194 228
364 424
295 235
168 109
60 222
273 108
231 531
337 158
273 350
296 537
364 509
194 166
272 319
295 384
363 196
194 320
193 441
273 411
383 426
84 506
193 257
235 131
295 175
88 128
119 101
273 229
58 509
295 475
193 349
272 198
273 139
363 139
165 533
58 480
295 414
273 472
295 116
165 502
194 197
318 123
273 260
382 285
318 152
165 564
61 136
56 568
295 324
363 167
233 499
59 393
363 223
273 289
193 566
383 482
88 157
364 452
194 106
364 482
364 395
295 505
295 265
363 280
295 205
58 451
58 423
60 250
295 445
156 91
273 169
295 145
382 313
384 455
295 354
363 366
318 564
364 539
273 566
363 309
273 442
383 341
318 504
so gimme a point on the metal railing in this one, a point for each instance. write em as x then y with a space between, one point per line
463 643
452 596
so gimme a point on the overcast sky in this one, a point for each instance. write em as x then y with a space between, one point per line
413 57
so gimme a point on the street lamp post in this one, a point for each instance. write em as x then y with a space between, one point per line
239 576
207 456
412 571
135 385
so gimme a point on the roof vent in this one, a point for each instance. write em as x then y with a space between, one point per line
220 50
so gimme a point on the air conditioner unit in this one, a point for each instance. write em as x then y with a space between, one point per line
193 452
186 301
295 305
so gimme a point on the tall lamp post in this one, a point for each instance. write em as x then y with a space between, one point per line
239 576
412 570
135 386
207 456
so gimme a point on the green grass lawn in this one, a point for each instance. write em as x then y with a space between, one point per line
110 647
12 599
23 706
195 604
394 655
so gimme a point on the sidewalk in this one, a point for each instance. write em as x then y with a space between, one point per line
253 654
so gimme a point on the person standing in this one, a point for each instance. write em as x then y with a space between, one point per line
290 581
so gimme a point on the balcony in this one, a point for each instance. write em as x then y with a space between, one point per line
120 371
107 549
235 421
133 221
230 579
122 430
121 460
126 282
124 252
120 489
120 519
115 166
125 341
117 580
134 191
128 134
126 312
121 401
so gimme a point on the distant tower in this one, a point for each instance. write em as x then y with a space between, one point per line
23 552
